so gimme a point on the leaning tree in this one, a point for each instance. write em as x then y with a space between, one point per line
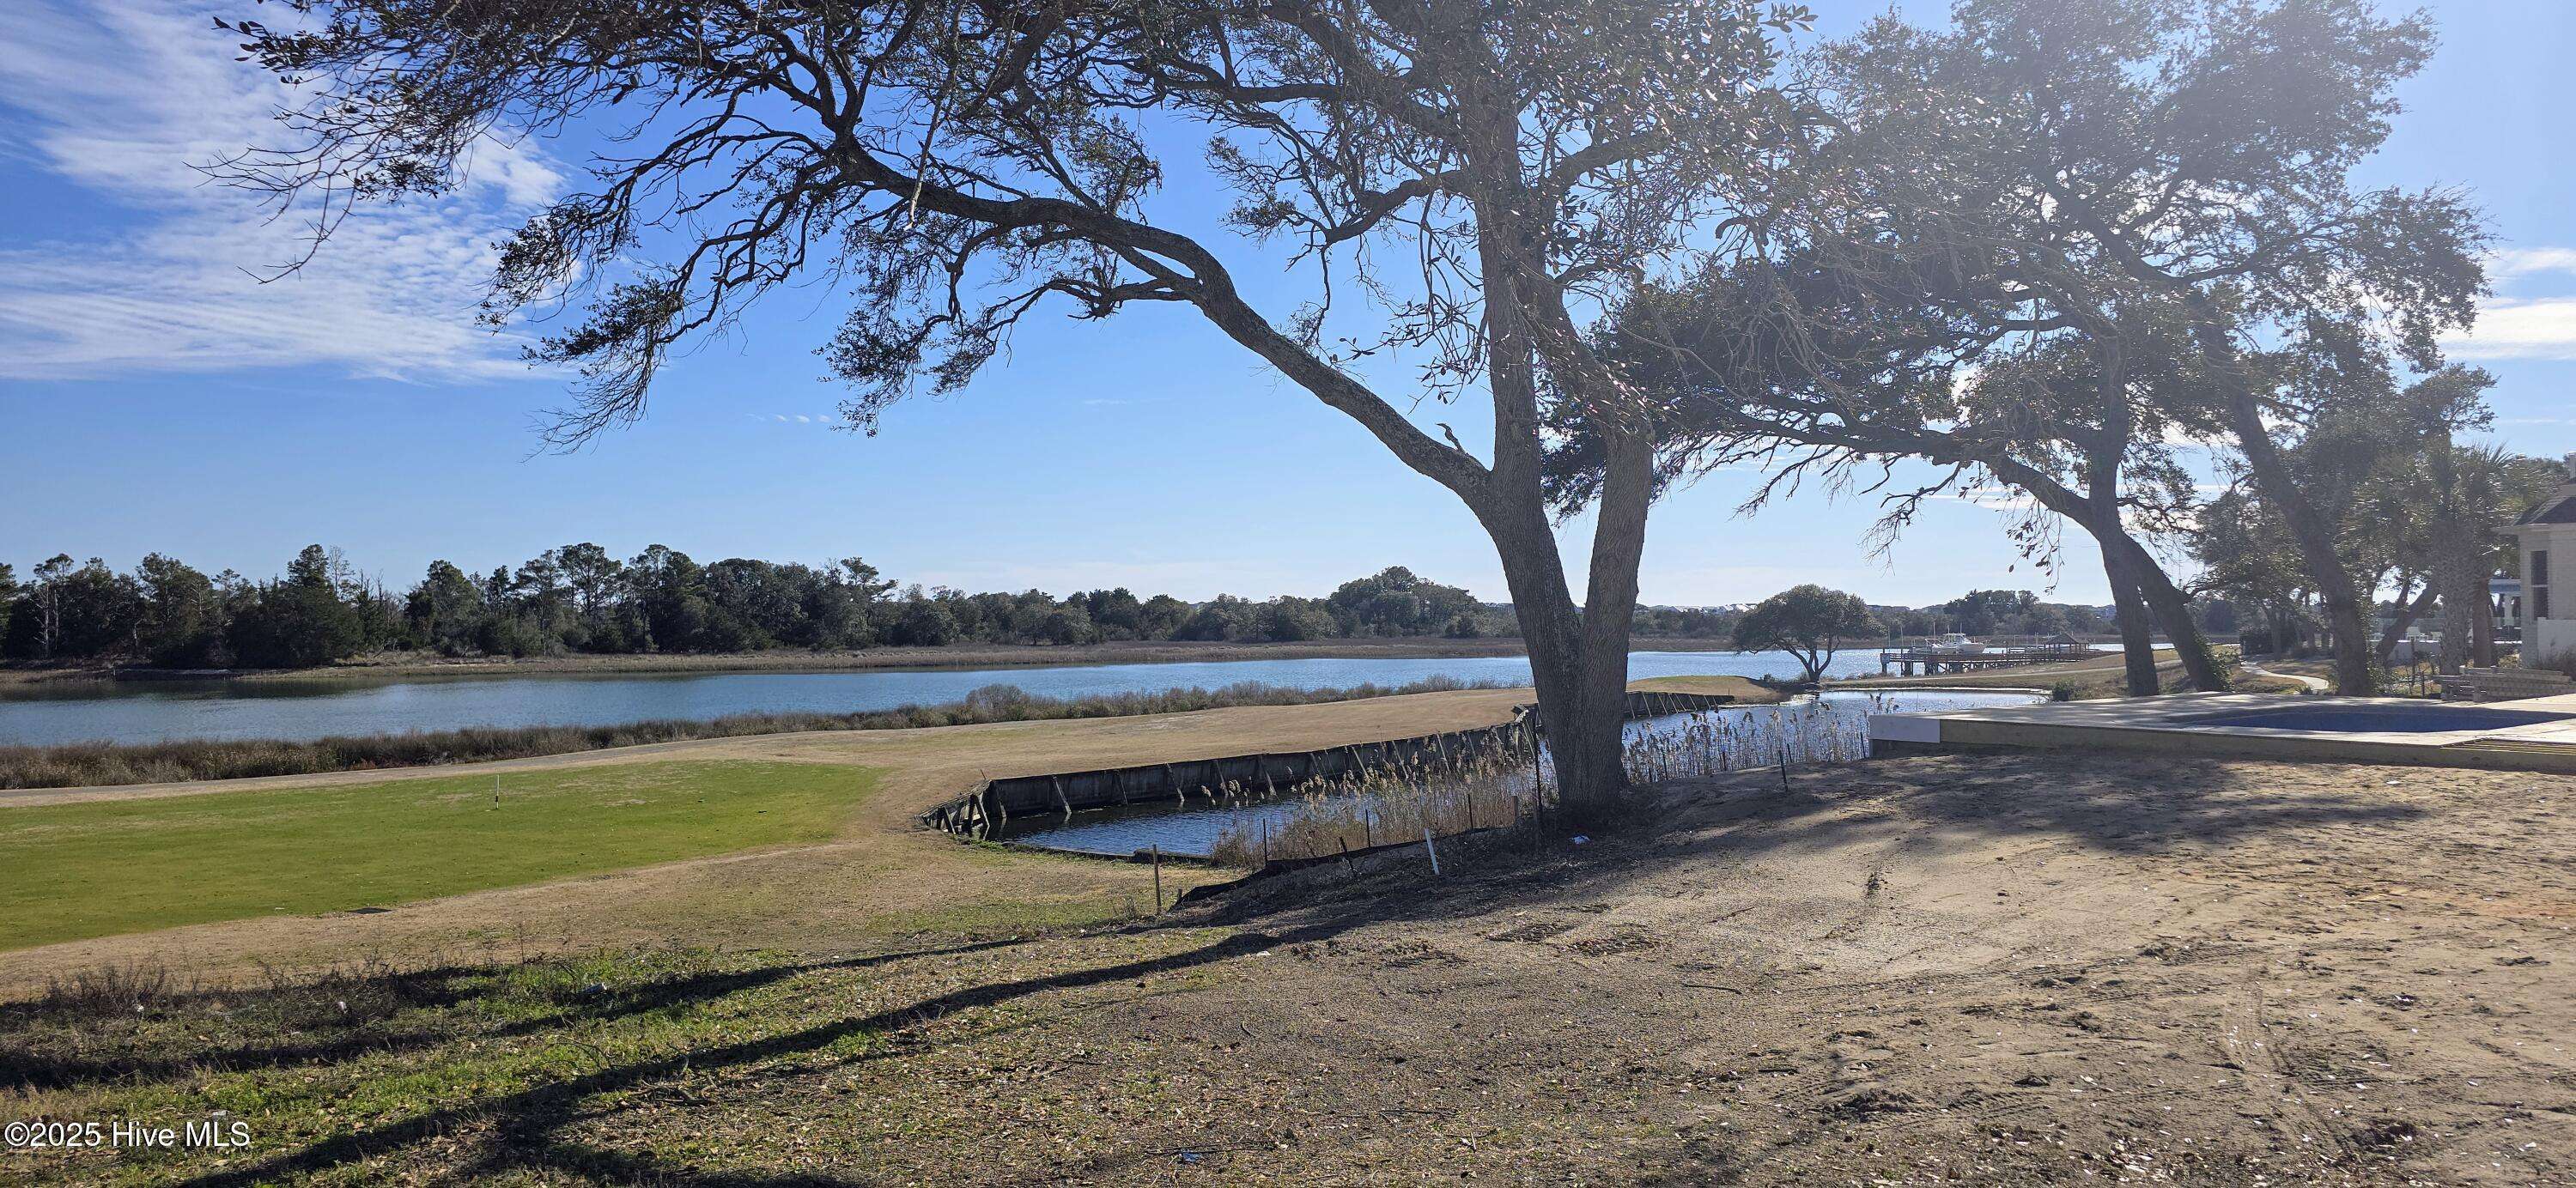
2200 155
1486 171
1831 364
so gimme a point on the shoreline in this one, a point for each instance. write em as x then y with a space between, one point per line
37 772
406 666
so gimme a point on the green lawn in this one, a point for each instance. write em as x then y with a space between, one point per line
83 870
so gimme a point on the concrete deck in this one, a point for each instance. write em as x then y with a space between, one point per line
2181 725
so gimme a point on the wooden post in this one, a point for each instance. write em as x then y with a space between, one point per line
1538 775
1157 852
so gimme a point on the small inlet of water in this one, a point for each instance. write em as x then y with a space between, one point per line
1391 803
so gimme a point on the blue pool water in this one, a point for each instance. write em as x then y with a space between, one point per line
2428 719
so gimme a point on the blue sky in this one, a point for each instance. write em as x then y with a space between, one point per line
155 396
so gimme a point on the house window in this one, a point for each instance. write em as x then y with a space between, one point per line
2537 578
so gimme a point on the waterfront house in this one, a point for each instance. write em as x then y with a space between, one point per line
2546 539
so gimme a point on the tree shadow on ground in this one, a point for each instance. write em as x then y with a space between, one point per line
423 989
2128 806
2122 805
525 1124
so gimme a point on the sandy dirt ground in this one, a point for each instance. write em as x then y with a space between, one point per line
1995 970
887 875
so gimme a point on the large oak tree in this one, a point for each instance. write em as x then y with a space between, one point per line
2198 156
1489 170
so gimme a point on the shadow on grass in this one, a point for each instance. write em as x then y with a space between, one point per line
312 1008
525 1123
2133 806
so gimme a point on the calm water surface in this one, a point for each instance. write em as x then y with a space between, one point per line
1195 830
159 711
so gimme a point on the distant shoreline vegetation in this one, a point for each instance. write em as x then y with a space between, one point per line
83 765
579 601
398 666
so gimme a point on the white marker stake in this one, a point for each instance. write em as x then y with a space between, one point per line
1428 849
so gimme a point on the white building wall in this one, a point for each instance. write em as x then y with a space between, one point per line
2552 643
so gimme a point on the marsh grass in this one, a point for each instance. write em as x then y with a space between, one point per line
1503 785
78 765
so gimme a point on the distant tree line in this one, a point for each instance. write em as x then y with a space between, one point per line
582 599
1984 613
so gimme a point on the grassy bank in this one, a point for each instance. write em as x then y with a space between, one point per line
96 869
84 765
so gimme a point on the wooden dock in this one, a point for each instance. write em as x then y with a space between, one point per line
1935 659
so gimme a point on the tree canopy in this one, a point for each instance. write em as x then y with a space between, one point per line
1809 622
1484 173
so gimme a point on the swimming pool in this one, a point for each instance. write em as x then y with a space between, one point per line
2406 719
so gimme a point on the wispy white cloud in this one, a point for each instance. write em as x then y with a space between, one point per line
2520 328
121 98
2515 263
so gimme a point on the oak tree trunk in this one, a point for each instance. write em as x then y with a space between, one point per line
2346 620
2173 611
2346 616
2137 635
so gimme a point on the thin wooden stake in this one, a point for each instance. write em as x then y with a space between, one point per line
1427 849
1157 851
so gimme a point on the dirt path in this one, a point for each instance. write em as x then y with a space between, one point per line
2309 683
886 875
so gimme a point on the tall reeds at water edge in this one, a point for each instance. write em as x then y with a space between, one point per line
1796 732
1494 782
76 765
1503 783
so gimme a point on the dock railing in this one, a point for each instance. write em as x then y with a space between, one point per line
1935 659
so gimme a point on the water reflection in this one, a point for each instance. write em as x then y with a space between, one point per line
1195 829
159 711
